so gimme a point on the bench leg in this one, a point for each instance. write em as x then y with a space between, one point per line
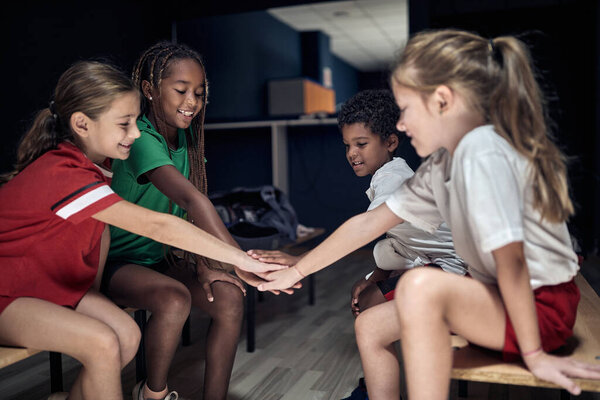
311 290
140 357
56 381
463 389
186 334
250 318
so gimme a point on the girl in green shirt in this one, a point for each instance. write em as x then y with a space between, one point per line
166 173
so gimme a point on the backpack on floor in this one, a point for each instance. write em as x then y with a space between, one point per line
257 218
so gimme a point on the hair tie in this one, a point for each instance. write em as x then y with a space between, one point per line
494 53
52 109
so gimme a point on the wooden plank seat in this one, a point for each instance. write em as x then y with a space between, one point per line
472 363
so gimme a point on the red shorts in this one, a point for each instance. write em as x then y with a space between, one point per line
556 308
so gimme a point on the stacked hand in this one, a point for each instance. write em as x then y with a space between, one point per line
280 280
255 271
274 257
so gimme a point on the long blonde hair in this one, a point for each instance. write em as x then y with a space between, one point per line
498 81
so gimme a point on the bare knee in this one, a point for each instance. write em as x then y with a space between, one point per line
129 339
229 301
417 291
364 326
173 300
101 348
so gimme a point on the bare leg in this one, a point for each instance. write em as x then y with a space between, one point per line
169 303
36 323
226 313
376 330
431 304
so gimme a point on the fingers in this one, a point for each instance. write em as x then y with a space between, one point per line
567 383
583 370
261 267
270 286
273 259
236 282
208 290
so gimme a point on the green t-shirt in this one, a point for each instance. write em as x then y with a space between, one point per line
149 151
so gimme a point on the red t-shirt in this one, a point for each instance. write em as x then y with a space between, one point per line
49 244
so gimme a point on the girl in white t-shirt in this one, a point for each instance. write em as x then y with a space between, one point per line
473 107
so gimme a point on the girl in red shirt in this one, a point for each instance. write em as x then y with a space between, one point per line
53 234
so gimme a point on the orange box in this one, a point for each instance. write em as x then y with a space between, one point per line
299 96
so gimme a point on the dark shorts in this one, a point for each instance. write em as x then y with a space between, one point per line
113 266
388 286
556 308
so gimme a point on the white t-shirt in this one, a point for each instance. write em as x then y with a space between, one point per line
414 244
485 195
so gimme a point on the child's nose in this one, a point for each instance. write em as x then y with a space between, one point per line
400 125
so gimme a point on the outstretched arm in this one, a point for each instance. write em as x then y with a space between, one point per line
200 209
515 289
174 231
351 235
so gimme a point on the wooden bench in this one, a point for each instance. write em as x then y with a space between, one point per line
472 363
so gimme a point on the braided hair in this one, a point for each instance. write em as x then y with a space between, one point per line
152 66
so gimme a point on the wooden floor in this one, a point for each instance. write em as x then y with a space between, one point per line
302 351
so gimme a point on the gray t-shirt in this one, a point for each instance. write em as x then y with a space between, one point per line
415 245
484 193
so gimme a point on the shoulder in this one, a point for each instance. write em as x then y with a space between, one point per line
148 134
483 146
65 158
480 141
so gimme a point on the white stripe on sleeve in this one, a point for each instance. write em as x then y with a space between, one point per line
84 201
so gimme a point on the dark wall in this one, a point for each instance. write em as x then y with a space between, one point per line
323 188
242 52
41 40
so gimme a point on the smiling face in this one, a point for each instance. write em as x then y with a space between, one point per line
418 120
113 132
182 94
365 151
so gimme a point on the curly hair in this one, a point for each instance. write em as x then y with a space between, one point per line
376 109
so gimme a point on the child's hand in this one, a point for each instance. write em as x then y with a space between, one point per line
280 280
207 276
249 264
559 370
256 279
274 257
357 288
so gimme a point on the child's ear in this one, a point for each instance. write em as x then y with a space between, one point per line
443 98
392 143
147 89
80 124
